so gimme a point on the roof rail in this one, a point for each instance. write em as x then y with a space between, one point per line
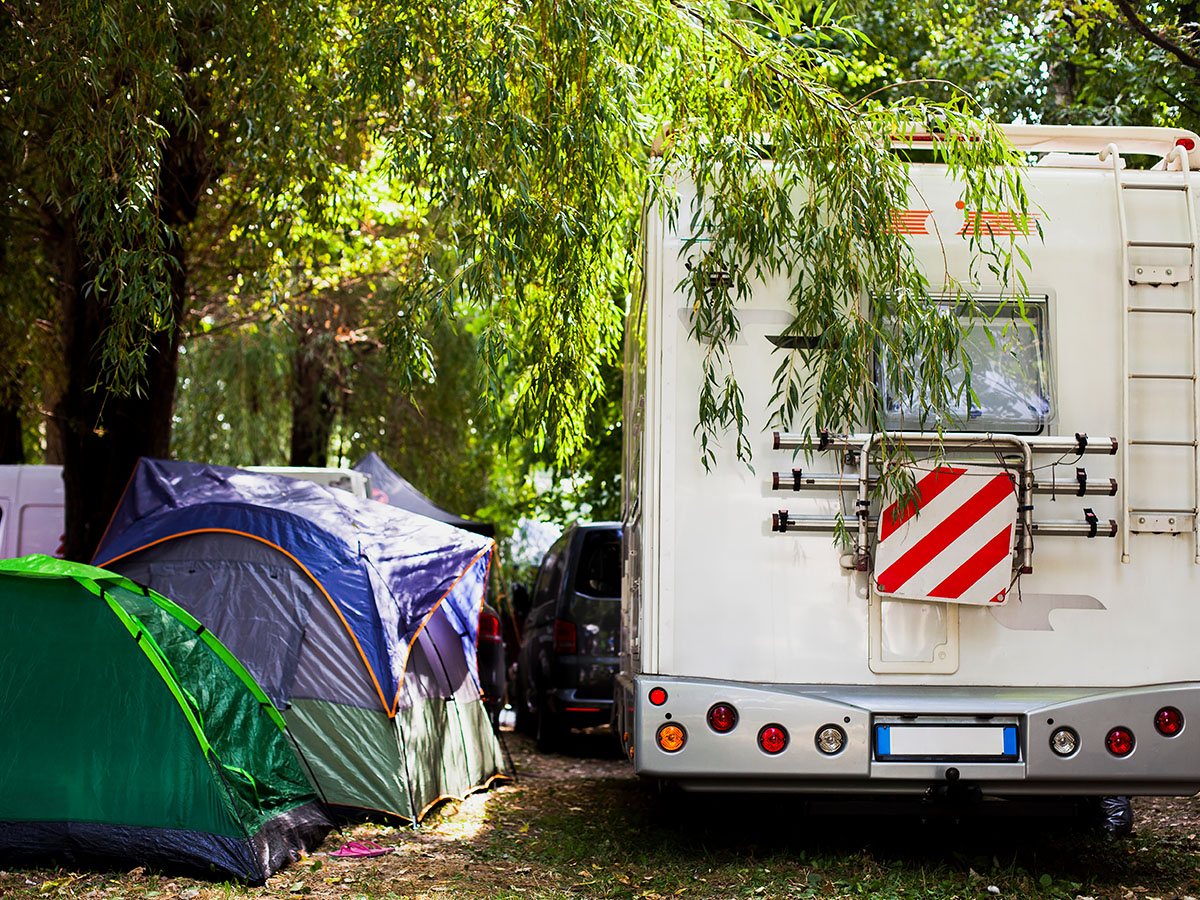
1086 139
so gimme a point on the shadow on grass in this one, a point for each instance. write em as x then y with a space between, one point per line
771 844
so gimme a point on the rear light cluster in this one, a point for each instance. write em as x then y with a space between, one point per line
1119 741
723 718
564 636
489 627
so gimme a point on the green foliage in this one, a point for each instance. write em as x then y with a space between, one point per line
1081 62
535 122
102 97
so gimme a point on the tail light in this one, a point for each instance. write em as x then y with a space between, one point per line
658 696
489 628
830 739
1064 741
671 738
722 717
564 636
1168 721
1119 742
773 739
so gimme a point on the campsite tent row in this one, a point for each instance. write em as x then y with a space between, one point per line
358 620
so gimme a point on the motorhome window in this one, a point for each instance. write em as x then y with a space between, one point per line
1010 374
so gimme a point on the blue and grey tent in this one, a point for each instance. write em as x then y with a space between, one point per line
359 620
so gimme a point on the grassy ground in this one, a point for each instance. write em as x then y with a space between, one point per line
578 825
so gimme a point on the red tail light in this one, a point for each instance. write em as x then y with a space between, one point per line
1119 742
773 738
564 636
489 628
722 717
1169 721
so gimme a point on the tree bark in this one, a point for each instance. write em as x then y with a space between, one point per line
12 447
312 404
104 432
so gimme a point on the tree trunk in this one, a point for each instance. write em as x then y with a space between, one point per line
12 447
105 432
312 403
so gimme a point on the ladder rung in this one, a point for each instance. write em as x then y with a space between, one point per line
1161 309
1162 377
1175 245
1154 186
1164 443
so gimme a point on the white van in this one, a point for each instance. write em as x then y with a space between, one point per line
349 480
31 511
32 501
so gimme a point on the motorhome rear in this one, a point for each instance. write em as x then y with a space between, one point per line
1030 631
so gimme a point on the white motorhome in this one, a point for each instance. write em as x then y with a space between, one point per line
1029 632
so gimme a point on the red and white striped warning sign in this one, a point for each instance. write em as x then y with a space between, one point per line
959 547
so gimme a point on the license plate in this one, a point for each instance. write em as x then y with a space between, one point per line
946 742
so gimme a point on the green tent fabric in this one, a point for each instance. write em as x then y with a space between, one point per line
132 734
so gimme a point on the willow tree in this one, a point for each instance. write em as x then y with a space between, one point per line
529 125
117 119
542 130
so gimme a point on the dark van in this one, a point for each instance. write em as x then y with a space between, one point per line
570 642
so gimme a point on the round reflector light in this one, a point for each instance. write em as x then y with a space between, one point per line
831 739
773 738
1186 143
671 738
1064 742
658 696
1119 742
1168 721
722 717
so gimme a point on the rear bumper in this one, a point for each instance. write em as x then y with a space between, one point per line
1158 765
580 711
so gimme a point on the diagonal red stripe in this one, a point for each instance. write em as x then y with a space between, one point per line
945 532
976 567
927 488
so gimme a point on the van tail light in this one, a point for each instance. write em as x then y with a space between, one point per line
1119 742
564 636
489 628
1168 721
773 739
722 718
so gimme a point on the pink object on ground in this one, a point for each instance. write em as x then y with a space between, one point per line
358 849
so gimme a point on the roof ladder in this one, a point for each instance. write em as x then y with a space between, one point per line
1140 278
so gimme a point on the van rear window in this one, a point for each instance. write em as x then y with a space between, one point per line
599 571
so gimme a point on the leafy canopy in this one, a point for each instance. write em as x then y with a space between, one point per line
530 123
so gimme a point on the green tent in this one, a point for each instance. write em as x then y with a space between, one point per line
131 735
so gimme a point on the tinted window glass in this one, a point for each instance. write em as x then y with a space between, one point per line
599 571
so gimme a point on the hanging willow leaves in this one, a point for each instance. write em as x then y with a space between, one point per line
536 122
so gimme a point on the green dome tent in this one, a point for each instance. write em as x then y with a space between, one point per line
132 735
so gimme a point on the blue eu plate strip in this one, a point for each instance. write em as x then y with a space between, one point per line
1010 740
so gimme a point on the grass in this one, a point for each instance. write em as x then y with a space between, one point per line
613 838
